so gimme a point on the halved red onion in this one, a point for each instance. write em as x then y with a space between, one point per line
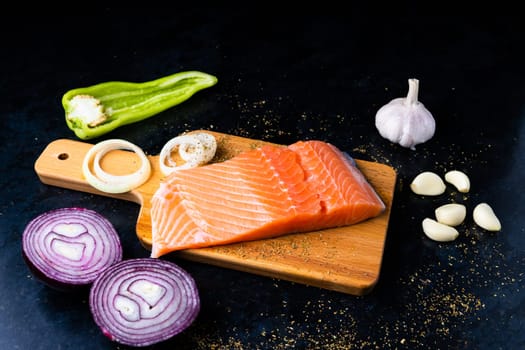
143 301
70 247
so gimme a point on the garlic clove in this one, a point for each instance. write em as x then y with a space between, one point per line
428 183
452 214
485 217
438 231
459 179
406 121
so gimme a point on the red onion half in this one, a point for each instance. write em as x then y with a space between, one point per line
143 301
70 247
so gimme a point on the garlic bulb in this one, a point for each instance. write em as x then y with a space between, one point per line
406 121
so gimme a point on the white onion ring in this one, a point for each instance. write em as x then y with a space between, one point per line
109 183
210 147
181 144
195 149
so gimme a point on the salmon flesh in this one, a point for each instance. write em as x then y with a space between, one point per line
261 193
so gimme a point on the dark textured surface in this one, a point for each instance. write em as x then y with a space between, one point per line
284 78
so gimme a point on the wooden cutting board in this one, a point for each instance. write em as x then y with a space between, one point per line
346 259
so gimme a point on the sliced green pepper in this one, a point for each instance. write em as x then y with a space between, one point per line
98 109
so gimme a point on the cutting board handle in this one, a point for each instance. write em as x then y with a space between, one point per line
60 164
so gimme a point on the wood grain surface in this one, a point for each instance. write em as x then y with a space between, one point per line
345 259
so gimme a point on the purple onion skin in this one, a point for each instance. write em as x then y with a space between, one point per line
53 283
127 311
49 269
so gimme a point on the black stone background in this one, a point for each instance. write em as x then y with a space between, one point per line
285 76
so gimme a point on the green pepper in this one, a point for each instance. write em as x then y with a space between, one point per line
98 109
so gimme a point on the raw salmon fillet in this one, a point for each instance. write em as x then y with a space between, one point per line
261 193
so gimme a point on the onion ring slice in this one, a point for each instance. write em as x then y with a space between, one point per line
210 147
110 183
67 248
195 149
144 301
180 143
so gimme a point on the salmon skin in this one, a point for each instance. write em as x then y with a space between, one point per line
261 193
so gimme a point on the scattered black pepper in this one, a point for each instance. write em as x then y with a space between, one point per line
446 287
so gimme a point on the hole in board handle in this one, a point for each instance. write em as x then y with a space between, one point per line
63 156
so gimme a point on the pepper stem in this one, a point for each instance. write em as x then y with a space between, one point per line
413 90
